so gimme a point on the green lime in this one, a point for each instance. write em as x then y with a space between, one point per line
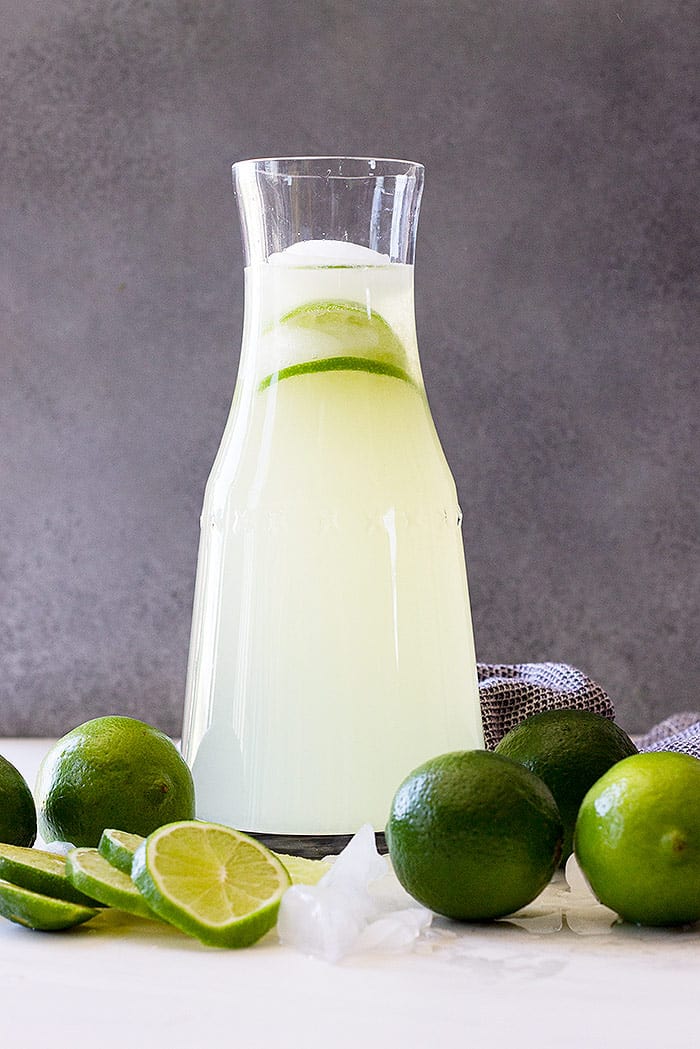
36 911
42 872
17 811
92 873
637 838
111 772
569 750
473 835
340 336
211 882
118 848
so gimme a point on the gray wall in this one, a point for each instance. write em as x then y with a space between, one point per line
556 306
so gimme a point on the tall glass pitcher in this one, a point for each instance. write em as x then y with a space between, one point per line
332 646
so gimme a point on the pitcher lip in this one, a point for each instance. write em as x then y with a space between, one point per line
416 166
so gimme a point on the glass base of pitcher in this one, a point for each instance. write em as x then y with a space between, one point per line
312 846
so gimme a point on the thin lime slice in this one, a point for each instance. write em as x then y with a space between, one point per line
91 872
42 872
37 911
303 871
333 364
211 882
340 336
118 848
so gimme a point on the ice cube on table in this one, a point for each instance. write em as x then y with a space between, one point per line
576 879
327 253
358 906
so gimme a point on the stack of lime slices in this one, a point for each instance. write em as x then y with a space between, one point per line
35 890
210 881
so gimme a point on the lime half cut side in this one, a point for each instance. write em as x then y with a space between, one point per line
42 872
211 881
118 848
37 911
91 872
338 336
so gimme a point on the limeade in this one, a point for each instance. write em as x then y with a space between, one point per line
332 644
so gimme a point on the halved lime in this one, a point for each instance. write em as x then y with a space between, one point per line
42 872
211 882
91 872
340 336
37 911
118 848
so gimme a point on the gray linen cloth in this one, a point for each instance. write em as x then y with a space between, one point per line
511 692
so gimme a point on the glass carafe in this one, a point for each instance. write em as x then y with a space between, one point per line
332 647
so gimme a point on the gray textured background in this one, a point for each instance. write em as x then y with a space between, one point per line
556 303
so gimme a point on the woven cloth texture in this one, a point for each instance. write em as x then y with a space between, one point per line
511 692
680 732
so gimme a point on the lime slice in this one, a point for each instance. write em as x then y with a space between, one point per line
118 848
36 911
340 336
211 882
91 872
303 871
335 364
39 871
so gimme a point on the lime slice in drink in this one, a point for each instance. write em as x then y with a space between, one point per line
42 872
118 848
211 882
339 336
303 871
91 872
36 911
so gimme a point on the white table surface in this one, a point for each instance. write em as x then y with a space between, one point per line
119 982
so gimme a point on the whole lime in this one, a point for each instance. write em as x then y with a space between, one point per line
473 835
637 838
17 811
111 772
569 750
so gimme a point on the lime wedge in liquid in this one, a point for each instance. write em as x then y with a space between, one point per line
347 336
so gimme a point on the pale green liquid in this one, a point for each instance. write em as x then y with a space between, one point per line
332 642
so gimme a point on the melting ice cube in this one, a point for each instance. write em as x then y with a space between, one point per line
357 906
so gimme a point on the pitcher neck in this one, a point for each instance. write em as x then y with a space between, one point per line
329 245
369 202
